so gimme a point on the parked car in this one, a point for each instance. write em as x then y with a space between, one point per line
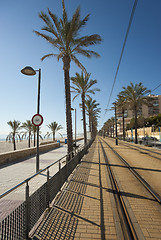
149 139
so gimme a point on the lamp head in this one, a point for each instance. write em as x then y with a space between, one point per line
28 71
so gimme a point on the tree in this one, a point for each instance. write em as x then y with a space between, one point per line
15 125
54 127
28 126
135 96
64 35
82 87
121 104
92 112
34 133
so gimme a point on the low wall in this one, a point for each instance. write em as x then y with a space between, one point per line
143 132
24 153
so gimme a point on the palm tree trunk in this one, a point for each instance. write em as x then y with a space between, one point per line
29 140
136 125
66 67
123 122
90 123
84 119
14 143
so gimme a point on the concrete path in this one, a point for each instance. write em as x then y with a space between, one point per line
14 173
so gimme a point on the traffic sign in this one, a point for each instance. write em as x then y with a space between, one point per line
37 120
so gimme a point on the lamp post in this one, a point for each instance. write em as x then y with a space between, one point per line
30 72
116 125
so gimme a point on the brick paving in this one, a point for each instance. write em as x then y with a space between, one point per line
84 208
144 210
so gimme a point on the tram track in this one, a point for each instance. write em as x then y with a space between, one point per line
143 150
137 175
130 229
126 224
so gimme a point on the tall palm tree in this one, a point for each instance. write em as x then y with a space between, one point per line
135 96
63 34
15 125
95 116
91 105
82 87
28 126
54 127
92 112
121 104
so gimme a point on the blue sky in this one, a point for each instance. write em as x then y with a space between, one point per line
20 47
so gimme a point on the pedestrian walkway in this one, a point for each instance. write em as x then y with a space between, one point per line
83 209
14 173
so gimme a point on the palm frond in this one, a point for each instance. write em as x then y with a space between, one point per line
49 55
57 23
87 53
87 41
75 96
77 62
49 39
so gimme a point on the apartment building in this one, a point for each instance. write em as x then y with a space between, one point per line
145 111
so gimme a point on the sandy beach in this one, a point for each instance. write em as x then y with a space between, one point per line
8 146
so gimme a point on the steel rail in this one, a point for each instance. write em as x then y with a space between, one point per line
125 220
137 175
135 147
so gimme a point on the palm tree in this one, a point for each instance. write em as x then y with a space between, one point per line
34 133
64 35
54 127
121 104
90 106
95 116
135 96
28 126
92 112
15 125
83 87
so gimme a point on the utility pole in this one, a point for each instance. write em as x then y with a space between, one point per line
116 125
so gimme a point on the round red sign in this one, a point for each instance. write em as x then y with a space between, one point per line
37 120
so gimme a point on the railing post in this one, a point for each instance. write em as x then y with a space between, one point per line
59 176
27 211
67 160
59 165
48 188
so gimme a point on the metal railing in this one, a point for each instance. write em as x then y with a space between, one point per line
21 220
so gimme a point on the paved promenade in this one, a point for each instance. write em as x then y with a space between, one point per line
83 210
13 173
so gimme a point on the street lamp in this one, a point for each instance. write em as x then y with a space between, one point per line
30 72
116 125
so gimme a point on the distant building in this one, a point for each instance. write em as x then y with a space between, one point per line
145 111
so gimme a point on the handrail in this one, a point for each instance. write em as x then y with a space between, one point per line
28 179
